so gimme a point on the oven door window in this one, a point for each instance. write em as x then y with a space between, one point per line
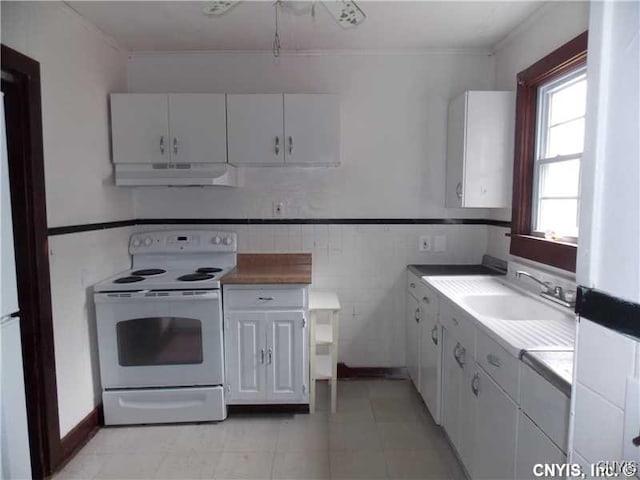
159 341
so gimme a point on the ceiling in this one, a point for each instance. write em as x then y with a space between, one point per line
390 25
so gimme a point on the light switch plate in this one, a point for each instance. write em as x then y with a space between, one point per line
631 452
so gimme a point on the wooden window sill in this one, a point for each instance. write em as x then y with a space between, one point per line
557 254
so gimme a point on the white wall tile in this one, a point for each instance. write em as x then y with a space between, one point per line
605 360
598 426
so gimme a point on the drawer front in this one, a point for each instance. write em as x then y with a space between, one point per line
459 326
498 363
547 406
262 298
420 291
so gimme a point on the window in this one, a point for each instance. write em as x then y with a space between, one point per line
559 145
549 140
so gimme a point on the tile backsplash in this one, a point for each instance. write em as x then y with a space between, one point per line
366 266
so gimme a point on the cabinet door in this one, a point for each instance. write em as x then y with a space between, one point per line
255 129
312 129
198 128
140 128
495 432
413 340
430 363
455 152
459 405
286 379
488 149
245 353
534 447
451 389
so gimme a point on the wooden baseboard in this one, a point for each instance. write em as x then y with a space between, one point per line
78 437
397 373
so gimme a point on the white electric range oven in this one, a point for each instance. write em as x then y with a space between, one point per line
159 329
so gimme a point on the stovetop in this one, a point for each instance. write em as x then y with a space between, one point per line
158 278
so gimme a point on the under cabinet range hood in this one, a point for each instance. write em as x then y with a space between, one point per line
176 174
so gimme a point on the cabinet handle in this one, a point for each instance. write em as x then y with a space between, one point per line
277 146
434 334
262 356
493 360
459 353
175 145
459 190
412 285
417 315
290 145
426 300
270 356
475 384
162 144
265 299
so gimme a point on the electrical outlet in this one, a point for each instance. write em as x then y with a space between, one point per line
278 209
440 243
424 244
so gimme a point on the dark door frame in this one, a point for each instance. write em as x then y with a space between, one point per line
23 113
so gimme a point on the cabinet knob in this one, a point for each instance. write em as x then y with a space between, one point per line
475 384
459 190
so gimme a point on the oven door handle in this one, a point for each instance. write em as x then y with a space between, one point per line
156 296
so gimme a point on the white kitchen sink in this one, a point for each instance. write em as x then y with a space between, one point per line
510 307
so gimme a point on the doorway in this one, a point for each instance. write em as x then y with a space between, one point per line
23 115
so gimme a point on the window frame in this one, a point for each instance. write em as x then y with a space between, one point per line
524 243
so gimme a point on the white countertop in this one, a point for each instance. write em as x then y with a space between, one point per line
551 328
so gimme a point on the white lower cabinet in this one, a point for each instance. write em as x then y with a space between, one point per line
266 359
534 448
495 431
430 362
413 339
458 402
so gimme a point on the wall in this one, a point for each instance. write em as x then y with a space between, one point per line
393 142
608 252
79 67
547 29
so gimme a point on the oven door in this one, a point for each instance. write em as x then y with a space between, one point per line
159 338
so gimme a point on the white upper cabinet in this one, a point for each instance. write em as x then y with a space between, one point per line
140 128
480 132
276 129
168 129
256 129
198 128
312 129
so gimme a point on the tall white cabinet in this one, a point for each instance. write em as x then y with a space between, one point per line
266 344
168 128
276 129
480 130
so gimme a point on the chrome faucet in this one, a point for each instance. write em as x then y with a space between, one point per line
555 294
545 285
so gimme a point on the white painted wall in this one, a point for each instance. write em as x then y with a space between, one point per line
550 27
79 67
609 246
393 131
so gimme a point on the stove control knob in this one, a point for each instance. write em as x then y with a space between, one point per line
148 241
216 240
136 242
228 240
